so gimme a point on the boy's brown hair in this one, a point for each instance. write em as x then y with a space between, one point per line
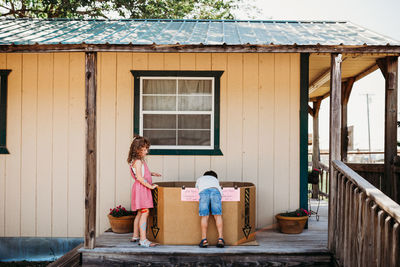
137 144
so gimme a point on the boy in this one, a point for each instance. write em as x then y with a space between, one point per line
210 198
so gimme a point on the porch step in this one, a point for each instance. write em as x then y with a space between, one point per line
228 257
271 249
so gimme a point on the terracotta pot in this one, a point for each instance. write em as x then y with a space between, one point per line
122 224
291 225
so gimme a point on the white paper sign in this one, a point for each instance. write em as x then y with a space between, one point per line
228 194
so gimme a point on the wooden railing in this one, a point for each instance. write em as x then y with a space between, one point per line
324 180
364 224
372 172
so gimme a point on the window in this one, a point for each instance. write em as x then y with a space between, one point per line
3 110
178 111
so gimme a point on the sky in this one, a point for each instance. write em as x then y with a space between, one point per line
381 16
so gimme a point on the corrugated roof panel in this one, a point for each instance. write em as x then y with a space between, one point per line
199 33
207 32
133 33
215 34
126 28
246 32
231 34
167 34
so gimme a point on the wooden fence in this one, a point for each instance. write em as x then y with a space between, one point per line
363 222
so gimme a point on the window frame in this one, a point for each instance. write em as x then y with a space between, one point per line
3 111
214 148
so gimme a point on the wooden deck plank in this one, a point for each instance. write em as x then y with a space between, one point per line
311 246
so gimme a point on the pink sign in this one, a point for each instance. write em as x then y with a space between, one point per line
228 194
190 194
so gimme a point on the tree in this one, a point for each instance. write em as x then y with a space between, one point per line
138 9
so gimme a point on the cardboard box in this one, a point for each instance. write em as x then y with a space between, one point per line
177 222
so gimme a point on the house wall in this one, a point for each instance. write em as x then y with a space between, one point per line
42 180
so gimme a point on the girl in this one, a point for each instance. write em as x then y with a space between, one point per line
142 200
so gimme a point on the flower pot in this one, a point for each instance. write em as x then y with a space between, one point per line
291 225
122 224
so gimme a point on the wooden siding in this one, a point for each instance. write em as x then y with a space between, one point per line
259 127
42 180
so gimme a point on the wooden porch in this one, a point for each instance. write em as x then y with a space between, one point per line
271 248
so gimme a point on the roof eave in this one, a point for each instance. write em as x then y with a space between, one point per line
200 48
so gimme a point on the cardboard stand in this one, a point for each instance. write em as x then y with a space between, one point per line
175 218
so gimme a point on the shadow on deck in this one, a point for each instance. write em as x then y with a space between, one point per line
273 249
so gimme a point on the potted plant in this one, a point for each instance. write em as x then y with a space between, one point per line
292 222
121 220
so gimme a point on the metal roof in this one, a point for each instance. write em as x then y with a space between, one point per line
187 32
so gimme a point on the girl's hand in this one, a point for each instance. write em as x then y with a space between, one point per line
155 174
153 186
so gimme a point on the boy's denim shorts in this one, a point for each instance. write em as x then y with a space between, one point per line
210 200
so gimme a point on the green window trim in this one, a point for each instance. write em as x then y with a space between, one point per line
137 74
3 111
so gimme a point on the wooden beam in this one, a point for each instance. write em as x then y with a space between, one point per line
317 98
366 72
310 111
334 142
200 48
318 82
389 67
315 152
322 79
346 91
381 62
90 178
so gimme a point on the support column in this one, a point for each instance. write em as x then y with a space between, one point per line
90 178
334 141
346 91
304 84
316 152
389 68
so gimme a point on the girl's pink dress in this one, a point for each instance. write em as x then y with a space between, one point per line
141 195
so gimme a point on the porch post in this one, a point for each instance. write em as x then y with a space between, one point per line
315 143
90 178
346 91
303 117
334 141
389 68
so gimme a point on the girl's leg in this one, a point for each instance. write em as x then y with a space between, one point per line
136 224
143 223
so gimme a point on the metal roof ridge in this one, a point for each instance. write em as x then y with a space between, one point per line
377 33
186 20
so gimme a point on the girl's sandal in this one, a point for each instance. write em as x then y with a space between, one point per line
146 243
203 243
221 243
135 239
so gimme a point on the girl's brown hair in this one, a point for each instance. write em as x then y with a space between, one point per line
138 143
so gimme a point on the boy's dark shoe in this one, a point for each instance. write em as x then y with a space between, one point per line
221 243
203 243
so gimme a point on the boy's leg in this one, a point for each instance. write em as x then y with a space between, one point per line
136 224
219 224
143 223
216 210
204 226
